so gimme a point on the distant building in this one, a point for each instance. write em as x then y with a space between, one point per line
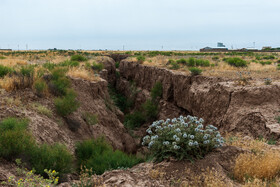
220 44
5 49
210 49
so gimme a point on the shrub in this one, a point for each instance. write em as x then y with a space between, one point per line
117 64
27 71
4 70
67 104
181 138
215 58
78 58
90 118
55 157
135 119
150 109
14 138
174 65
203 63
270 57
50 66
182 61
264 165
40 87
99 155
59 83
156 91
237 62
141 59
2 57
97 66
195 71
191 61
278 67
69 63
265 62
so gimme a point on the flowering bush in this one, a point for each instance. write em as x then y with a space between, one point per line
181 138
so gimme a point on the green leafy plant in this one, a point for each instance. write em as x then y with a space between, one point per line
195 71
237 62
141 59
69 63
4 70
182 61
14 138
66 104
50 66
100 156
27 71
40 87
97 66
174 65
181 138
55 157
78 58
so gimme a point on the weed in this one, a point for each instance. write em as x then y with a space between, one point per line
267 81
66 104
174 65
99 155
182 61
195 71
2 57
141 59
42 109
237 62
97 66
69 63
4 70
78 58
90 119
41 87
50 66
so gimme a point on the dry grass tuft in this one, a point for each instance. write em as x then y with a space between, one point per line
156 174
261 166
246 142
8 82
82 73
208 178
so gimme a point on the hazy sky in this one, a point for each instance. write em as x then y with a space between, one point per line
138 24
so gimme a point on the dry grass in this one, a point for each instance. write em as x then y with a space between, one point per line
246 142
157 174
8 82
11 62
222 69
208 178
82 73
262 165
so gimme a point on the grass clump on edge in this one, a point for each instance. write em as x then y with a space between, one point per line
4 70
14 138
67 104
140 59
100 156
78 58
174 65
59 82
97 66
237 62
195 71
42 109
181 138
41 87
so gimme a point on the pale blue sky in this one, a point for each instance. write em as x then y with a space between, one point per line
138 24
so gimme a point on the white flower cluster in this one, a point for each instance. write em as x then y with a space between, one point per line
186 133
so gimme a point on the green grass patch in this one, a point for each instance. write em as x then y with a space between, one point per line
67 104
4 70
195 71
90 119
100 156
78 58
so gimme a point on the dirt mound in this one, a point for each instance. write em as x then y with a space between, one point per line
173 173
